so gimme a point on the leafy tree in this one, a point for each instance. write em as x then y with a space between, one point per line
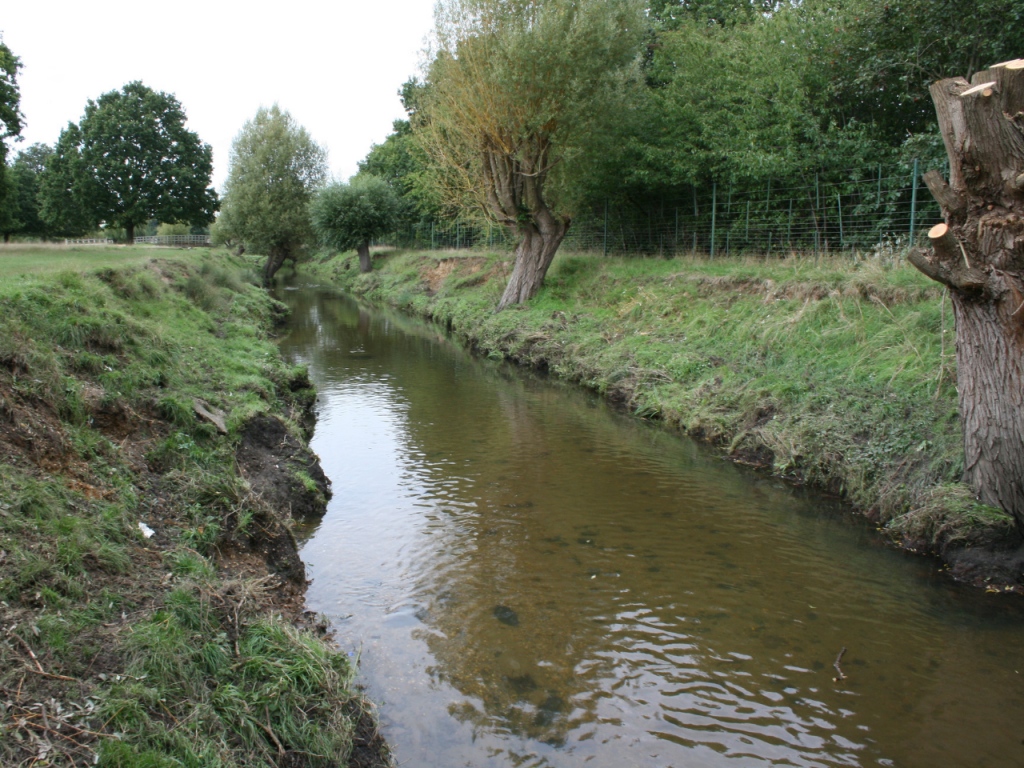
141 162
347 216
516 94
763 115
276 167
10 126
24 176
889 52
62 200
670 14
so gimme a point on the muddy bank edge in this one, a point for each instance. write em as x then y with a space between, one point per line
153 453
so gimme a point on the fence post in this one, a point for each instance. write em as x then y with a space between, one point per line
606 226
746 234
913 201
839 207
431 235
714 200
789 226
878 201
675 241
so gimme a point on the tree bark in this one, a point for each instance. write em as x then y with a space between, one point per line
990 379
514 186
129 232
365 262
979 255
533 257
276 257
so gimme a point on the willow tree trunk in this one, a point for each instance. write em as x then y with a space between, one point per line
275 258
533 257
979 254
365 263
129 232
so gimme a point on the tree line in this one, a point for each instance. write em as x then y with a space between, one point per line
131 161
631 102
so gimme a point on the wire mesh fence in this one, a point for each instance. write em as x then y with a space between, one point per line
866 209
178 240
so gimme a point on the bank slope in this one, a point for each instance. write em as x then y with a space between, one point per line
152 447
837 373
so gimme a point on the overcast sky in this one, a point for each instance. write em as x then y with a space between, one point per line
336 66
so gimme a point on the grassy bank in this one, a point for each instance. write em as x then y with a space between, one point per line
839 373
148 576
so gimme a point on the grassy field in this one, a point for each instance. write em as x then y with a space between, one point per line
142 626
839 373
23 260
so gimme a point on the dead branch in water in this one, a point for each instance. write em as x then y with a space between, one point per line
838 668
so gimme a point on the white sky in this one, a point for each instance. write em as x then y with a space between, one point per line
336 66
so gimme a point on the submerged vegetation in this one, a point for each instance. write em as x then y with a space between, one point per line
837 372
148 576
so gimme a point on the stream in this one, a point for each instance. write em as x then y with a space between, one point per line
530 578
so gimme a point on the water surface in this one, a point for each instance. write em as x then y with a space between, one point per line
531 579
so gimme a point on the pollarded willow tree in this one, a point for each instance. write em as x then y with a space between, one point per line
978 253
347 216
516 92
275 169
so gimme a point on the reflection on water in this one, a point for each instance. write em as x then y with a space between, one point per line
535 580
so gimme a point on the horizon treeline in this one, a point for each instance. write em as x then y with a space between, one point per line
756 90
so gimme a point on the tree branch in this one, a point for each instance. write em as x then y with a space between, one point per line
945 196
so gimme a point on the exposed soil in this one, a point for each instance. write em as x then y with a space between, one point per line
271 459
42 687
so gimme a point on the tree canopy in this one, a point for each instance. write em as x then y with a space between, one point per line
347 216
275 168
24 174
516 93
131 159
10 126
728 90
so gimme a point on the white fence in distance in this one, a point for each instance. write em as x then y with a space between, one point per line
187 241
88 241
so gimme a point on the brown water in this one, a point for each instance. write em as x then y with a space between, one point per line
531 579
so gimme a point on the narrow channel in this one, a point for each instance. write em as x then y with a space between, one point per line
531 579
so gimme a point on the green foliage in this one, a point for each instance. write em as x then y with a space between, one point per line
400 162
345 216
138 161
10 126
517 93
24 177
275 169
10 96
173 229
63 202
886 55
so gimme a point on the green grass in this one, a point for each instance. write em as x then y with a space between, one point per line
24 260
839 372
99 367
